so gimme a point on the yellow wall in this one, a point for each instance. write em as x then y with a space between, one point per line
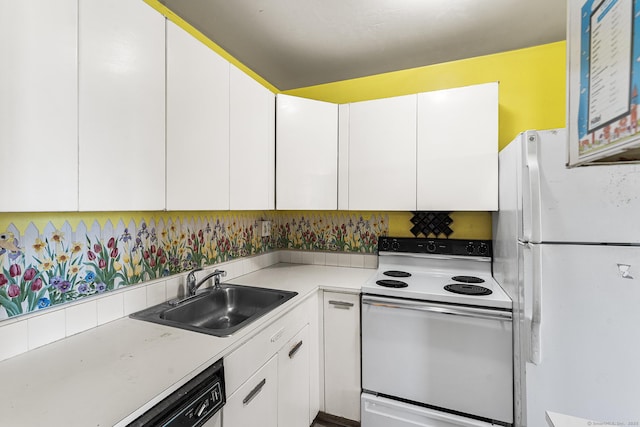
532 86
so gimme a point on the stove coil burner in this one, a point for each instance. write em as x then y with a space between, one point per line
392 283
467 279
468 289
396 273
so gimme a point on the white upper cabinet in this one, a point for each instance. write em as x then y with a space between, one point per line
306 154
197 124
457 153
382 154
39 105
122 106
252 144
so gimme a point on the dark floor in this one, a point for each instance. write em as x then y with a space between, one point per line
324 424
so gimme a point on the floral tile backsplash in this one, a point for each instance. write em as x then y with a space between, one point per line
43 268
331 232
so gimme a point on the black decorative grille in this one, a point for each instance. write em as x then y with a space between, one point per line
431 224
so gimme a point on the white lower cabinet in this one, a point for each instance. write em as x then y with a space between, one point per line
293 381
342 355
273 378
255 403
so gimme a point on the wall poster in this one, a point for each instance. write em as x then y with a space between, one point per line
608 78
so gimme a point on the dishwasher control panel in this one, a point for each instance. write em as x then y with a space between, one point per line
192 404
200 409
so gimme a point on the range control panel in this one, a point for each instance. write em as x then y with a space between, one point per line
479 248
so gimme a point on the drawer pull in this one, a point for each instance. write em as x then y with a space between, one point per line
341 304
253 393
295 349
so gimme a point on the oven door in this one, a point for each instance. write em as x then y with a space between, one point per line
451 357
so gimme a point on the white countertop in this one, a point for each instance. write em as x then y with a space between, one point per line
562 420
111 374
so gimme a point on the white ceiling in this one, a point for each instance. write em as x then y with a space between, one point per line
298 43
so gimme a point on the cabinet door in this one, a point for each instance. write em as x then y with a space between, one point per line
122 106
197 124
39 105
306 154
252 144
255 403
458 149
342 355
382 154
293 381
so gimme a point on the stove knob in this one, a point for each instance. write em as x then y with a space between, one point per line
385 245
470 248
395 246
483 249
431 247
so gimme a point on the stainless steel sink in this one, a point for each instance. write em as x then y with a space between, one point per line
217 311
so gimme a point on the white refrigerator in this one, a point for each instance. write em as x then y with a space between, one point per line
567 251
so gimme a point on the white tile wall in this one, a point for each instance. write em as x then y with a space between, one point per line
319 258
110 308
332 259
285 256
81 317
156 293
46 328
344 260
14 339
233 269
370 261
251 265
356 260
296 257
39 329
307 257
135 300
176 287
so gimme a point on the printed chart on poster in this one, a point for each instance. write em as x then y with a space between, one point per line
607 77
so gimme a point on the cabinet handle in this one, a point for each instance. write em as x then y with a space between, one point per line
341 304
295 349
253 393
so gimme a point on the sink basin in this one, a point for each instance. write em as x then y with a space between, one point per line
219 312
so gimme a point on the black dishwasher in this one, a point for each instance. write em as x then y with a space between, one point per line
192 404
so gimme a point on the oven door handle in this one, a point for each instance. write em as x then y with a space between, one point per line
478 313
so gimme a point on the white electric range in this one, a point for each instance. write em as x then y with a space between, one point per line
436 337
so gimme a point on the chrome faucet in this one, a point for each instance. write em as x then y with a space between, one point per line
193 285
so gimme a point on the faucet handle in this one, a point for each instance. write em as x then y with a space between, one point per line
217 274
191 278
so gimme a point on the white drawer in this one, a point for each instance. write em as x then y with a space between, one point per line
244 361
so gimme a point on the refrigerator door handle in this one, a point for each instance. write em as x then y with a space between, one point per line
532 227
535 356
532 282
